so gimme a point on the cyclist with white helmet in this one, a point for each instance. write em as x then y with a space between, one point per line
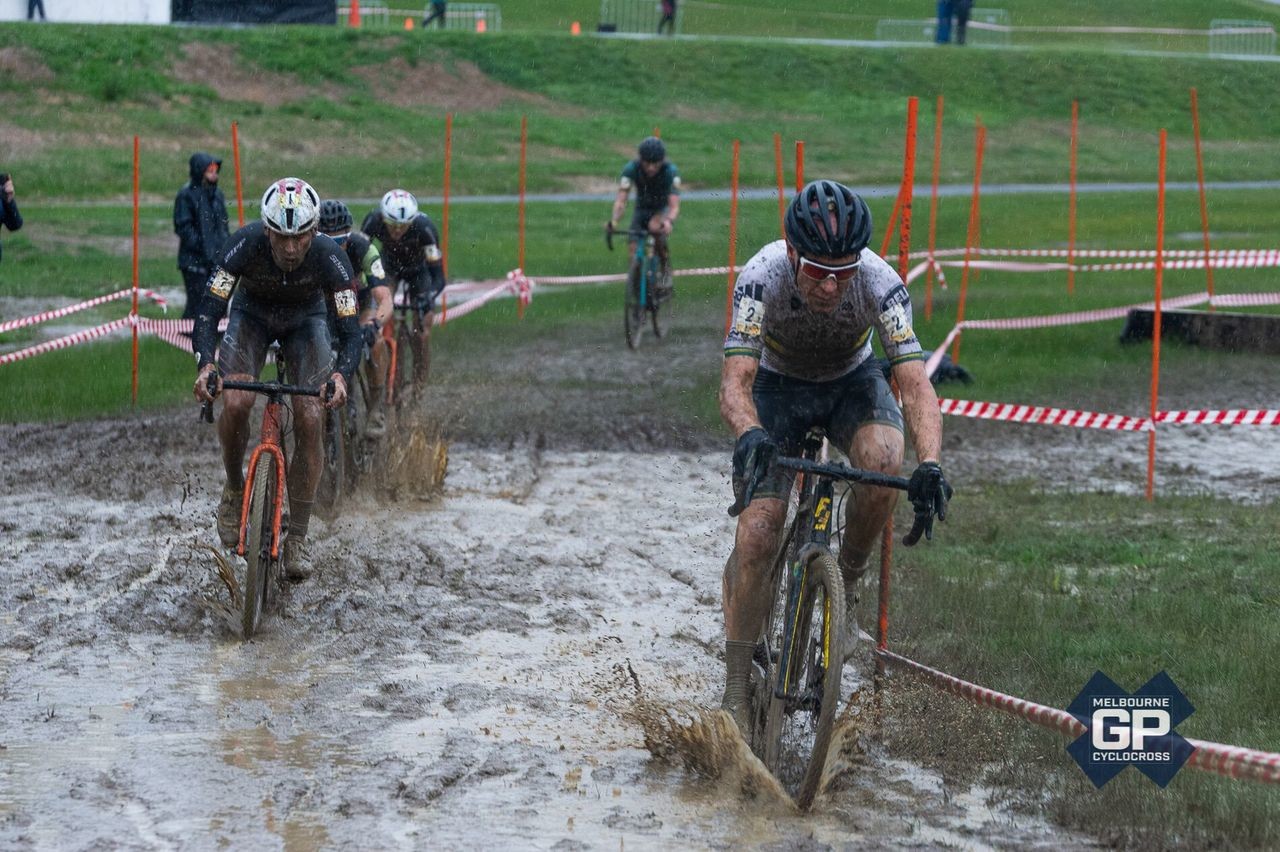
282 274
410 254
797 356
657 184
376 305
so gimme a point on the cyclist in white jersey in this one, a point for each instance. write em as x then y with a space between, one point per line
798 355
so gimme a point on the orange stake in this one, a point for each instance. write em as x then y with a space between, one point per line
777 167
524 147
134 312
444 219
1204 208
235 156
908 189
733 237
1071 204
799 165
893 220
1155 326
933 211
971 237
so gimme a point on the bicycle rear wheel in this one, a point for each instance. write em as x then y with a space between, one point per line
798 727
258 574
634 309
659 302
333 477
404 363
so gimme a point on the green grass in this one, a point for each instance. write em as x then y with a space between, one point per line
1029 593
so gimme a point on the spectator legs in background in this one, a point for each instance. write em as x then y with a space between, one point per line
32 6
962 19
944 21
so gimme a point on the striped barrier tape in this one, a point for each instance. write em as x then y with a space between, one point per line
1228 417
1013 413
64 342
622 276
10 325
1262 261
1225 760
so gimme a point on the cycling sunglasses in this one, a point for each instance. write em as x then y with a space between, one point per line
820 272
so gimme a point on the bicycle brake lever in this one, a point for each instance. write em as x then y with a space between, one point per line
921 526
206 412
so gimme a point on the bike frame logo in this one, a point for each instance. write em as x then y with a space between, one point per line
1123 729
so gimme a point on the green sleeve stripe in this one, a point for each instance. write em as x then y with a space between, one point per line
741 350
903 359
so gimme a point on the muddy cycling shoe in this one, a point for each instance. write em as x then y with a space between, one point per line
853 635
229 516
737 686
377 425
297 560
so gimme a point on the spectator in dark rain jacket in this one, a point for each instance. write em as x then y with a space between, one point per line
9 215
200 221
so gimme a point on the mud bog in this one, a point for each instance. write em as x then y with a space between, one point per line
471 671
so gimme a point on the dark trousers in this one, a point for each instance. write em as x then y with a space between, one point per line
32 5
437 13
962 8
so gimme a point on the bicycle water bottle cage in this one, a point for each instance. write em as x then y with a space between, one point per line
813 441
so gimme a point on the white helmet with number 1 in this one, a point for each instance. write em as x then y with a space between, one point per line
399 207
290 206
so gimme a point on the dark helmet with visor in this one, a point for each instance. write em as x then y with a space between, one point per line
652 150
335 217
827 219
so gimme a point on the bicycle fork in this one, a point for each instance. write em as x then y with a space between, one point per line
269 442
818 543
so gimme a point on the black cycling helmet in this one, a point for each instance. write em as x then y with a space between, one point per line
809 221
652 150
334 216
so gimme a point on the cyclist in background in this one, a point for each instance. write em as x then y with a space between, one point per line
798 355
375 302
411 255
283 273
657 184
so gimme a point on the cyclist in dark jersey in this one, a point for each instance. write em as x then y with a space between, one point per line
798 355
282 273
657 184
375 301
411 254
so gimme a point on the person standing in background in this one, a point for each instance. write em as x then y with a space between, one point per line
945 9
32 5
962 9
200 221
668 17
9 215
437 13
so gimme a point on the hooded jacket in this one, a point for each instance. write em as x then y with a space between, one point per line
9 215
200 218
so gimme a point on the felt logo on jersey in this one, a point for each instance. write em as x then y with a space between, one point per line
222 283
345 303
433 253
675 182
624 183
893 315
748 317
375 269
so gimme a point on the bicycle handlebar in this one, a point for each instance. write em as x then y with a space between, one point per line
275 388
630 232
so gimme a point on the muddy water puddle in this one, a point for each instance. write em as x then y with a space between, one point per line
461 672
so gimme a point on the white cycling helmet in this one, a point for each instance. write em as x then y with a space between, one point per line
399 207
290 206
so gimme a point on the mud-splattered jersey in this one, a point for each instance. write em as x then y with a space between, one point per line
772 322
365 260
419 245
652 193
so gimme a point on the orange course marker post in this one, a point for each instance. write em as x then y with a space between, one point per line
353 16
733 237
524 147
971 237
893 220
933 210
134 311
1155 327
575 28
908 188
1071 203
448 161
799 165
777 167
1204 208
408 23
235 159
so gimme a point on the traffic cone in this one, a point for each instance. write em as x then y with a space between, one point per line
481 26
408 23
353 18
575 28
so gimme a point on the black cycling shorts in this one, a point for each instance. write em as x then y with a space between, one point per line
303 333
418 290
788 408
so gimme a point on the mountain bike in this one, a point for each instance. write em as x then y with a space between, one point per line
262 514
644 291
800 656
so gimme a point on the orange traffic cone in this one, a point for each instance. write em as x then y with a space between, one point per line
575 28
408 23
481 26
353 18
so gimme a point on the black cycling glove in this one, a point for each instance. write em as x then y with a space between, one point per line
752 456
370 332
928 491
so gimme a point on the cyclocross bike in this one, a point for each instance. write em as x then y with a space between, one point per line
349 453
644 296
406 322
262 514
800 656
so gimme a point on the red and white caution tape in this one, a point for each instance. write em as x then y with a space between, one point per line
1110 254
513 286
64 342
1228 417
10 325
622 276
1228 761
1012 413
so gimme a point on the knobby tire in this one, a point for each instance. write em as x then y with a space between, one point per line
404 362
333 478
634 310
257 551
661 304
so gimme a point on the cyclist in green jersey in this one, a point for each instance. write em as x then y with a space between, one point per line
657 183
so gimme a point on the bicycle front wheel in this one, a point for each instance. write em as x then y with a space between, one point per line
634 309
798 726
257 551
333 477
404 363
659 301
